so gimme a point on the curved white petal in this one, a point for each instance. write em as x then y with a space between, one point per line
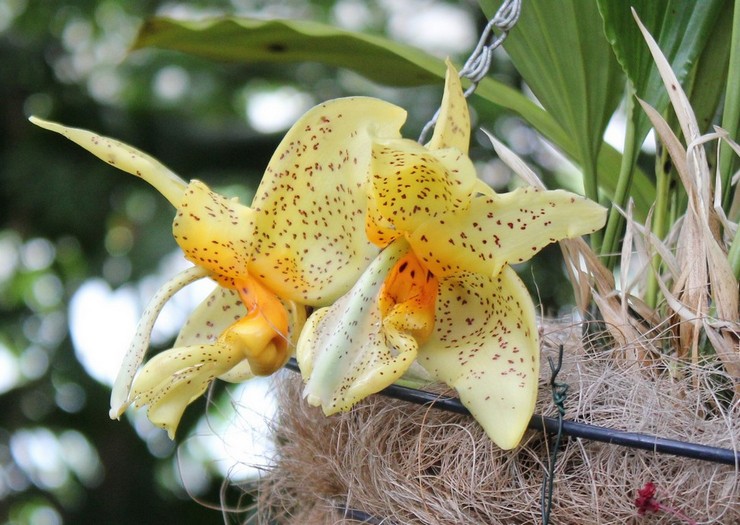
140 343
344 351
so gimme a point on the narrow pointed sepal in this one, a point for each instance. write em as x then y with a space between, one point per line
452 129
139 345
124 157
503 229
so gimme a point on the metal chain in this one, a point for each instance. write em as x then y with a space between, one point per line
479 62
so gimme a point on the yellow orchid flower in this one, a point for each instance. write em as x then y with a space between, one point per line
441 293
299 244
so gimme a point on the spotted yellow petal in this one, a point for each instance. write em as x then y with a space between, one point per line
452 129
174 378
485 345
344 352
309 242
503 229
123 157
411 185
214 232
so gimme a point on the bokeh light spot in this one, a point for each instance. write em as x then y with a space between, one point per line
171 83
10 373
102 323
37 254
34 362
270 111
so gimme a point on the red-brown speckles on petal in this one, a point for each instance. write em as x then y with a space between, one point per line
520 223
310 206
467 354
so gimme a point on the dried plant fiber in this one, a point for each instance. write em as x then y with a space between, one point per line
409 464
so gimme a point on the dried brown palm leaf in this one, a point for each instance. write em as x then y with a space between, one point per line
704 298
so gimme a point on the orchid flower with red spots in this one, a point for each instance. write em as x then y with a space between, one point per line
441 294
301 243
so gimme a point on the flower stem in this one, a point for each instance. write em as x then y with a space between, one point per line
614 223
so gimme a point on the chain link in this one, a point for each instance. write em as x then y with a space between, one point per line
479 62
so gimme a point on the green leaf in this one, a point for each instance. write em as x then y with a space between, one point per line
680 27
608 160
709 76
247 40
731 123
281 41
560 50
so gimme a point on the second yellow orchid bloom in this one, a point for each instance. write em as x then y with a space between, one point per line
441 293
299 244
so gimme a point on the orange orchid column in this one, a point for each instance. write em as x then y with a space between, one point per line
408 297
261 335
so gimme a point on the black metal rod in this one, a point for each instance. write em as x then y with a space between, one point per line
573 428
361 517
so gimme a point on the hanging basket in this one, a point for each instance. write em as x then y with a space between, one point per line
392 461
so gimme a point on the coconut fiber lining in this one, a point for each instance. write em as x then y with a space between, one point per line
408 464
